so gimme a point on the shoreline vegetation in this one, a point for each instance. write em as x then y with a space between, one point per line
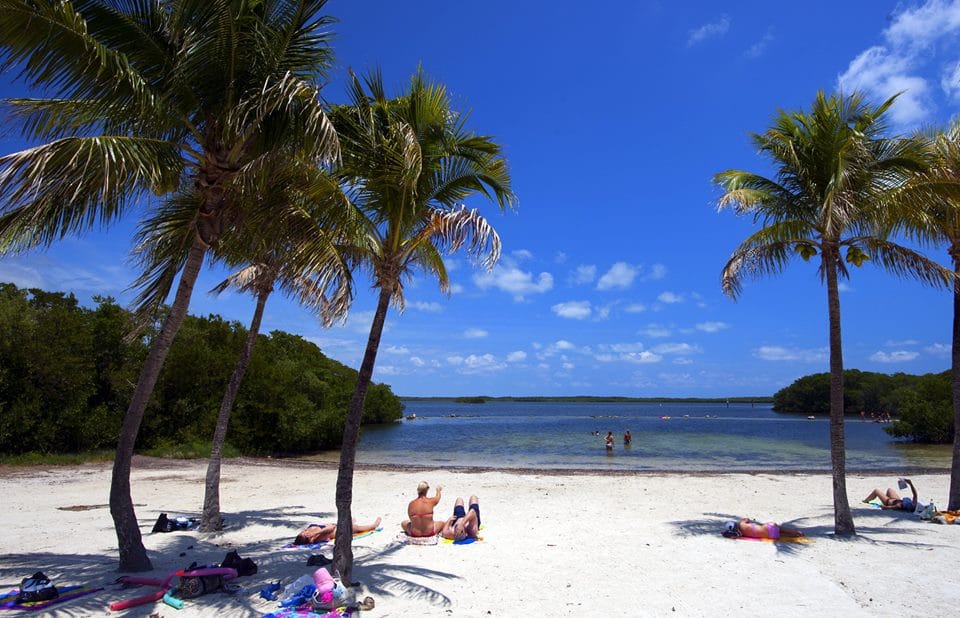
593 399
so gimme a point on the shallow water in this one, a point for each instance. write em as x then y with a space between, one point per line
695 437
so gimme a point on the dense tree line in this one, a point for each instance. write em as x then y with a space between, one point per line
67 373
921 405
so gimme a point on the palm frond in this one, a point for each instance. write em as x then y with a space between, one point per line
71 184
57 49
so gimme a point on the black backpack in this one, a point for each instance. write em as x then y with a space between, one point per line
36 588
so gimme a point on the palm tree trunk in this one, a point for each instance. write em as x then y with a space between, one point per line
133 555
210 520
953 499
842 518
342 548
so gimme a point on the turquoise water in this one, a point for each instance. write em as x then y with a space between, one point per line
695 437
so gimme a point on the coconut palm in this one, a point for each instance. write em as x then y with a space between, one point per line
837 181
408 163
296 252
148 97
941 225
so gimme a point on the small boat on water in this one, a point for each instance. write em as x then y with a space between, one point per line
812 418
411 417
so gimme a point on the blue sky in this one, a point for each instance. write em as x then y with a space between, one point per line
614 116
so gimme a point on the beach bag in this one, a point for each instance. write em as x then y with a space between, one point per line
243 566
36 588
193 586
927 512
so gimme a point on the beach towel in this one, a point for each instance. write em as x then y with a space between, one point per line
305 611
8 600
466 541
783 539
356 536
946 517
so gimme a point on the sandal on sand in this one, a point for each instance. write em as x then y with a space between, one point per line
366 604
318 560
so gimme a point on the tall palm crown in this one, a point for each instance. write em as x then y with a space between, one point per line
407 165
838 185
154 96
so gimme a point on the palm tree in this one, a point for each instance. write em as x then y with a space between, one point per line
408 163
942 225
837 180
153 97
296 252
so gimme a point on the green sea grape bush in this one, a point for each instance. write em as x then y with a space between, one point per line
67 374
920 405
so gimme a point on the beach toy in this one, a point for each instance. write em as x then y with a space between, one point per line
164 584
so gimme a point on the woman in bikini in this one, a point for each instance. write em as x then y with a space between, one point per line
420 512
757 530
320 533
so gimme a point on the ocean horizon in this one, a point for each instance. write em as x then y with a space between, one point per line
668 436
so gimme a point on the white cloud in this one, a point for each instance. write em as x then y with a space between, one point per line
563 344
657 331
901 343
392 349
900 356
574 309
560 257
657 272
670 298
884 70
779 353
475 333
516 357
676 348
706 31
512 280
456 288
939 349
681 360
416 361
635 308
482 363
620 276
641 358
427 307
756 50
712 327
585 273
567 366
522 254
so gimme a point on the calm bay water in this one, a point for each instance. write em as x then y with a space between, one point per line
695 437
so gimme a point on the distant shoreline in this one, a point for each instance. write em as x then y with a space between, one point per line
594 399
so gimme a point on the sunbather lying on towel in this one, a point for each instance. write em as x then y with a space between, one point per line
319 533
757 530
464 524
890 499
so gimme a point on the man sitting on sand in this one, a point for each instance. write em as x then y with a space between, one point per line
420 511
890 499
464 524
756 530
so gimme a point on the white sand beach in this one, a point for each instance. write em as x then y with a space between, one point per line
553 544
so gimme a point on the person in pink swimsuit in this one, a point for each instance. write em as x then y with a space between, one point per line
758 530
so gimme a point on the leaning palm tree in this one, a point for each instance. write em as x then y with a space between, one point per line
297 253
837 179
941 225
152 97
408 163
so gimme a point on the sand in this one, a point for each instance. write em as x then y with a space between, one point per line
553 544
